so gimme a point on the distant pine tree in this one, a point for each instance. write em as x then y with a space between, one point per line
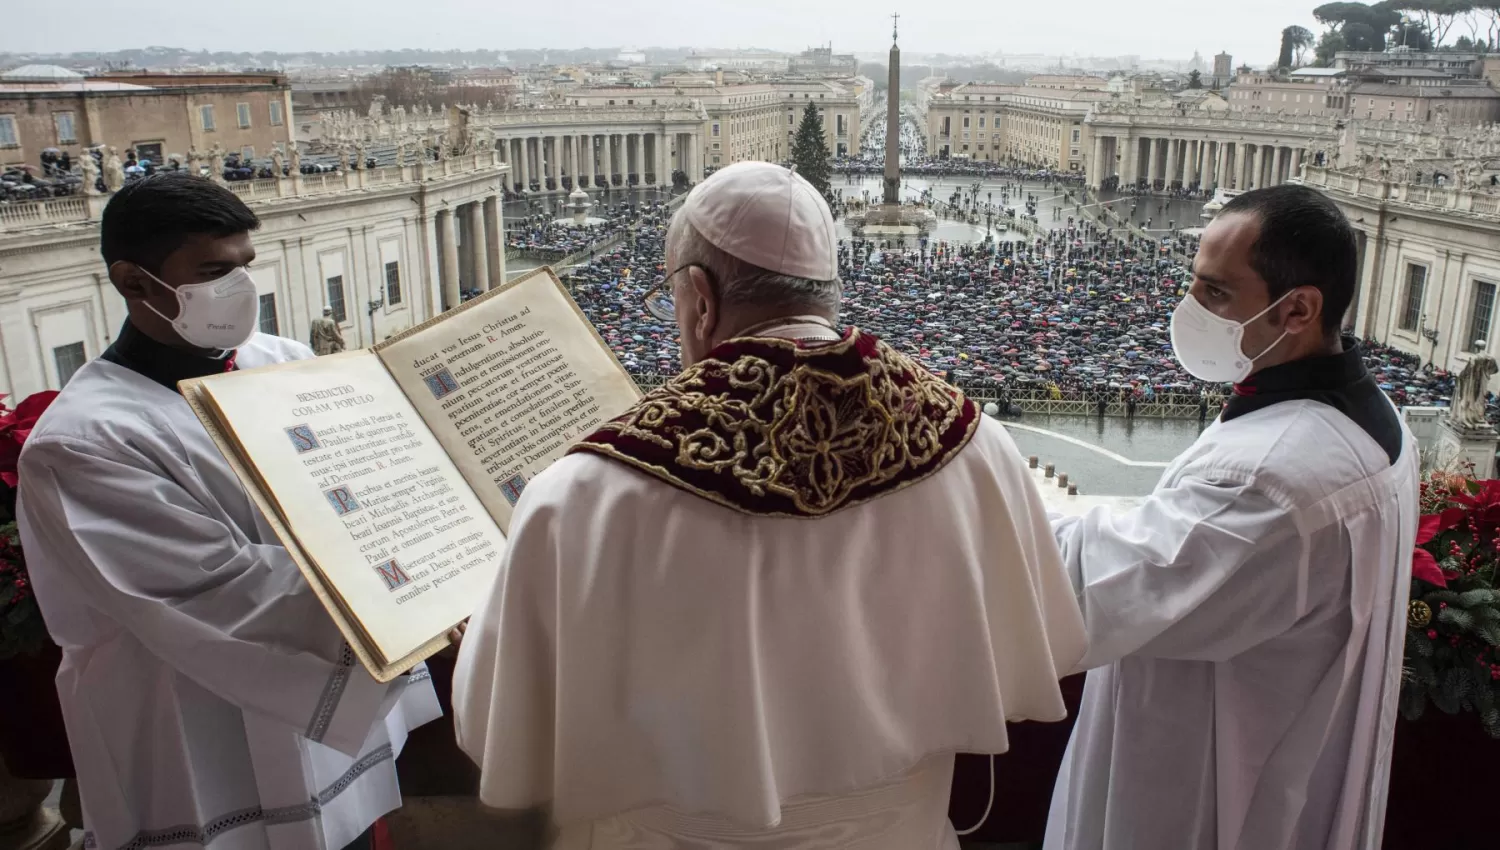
810 152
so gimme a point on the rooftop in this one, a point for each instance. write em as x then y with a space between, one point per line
40 74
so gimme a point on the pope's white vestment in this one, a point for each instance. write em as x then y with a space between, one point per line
660 670
1246 627
209 699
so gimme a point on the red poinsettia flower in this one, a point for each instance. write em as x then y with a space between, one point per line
15 427
1484 506
1423 565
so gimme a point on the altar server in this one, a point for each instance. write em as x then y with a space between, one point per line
766 605
1246 622
208 697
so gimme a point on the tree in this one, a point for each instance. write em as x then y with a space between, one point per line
1437 16
1361 27
1294 42
1412 34
810 151
1195 79
1331 42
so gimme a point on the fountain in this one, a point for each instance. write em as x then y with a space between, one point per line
578 207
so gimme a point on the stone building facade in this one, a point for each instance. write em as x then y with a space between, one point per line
749 121
992 122
1429 260
384 248
154 115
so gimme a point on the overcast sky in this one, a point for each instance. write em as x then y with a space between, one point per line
1156 28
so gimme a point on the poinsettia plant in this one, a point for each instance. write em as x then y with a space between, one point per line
21 626
1453 616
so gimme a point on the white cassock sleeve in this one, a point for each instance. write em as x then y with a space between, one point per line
1202 570
512 638
235 617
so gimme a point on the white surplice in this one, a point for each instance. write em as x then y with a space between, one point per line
208 697
1250 617
664 671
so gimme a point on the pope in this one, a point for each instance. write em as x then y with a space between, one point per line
766 605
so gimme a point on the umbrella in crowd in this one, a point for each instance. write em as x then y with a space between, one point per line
1077 313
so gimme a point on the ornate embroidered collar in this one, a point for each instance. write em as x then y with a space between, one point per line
771 428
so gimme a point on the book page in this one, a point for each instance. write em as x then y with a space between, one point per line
369 494
508 382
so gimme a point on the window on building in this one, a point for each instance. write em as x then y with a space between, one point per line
64 122
69 359
336 298
981 122
714 146
715 130
392 283
1075 136
1481 313
1416 282
716 160
268 321
276 118
966 122
247 152
206 117
242 111
8 131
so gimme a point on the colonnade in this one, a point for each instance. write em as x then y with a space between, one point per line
1168 163
471 248
541 162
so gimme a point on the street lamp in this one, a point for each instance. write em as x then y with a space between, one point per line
370 310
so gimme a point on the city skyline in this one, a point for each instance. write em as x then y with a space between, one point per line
1162 28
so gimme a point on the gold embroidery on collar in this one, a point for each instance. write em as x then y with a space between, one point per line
801 433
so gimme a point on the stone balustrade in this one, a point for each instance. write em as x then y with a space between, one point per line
83 208
1470 203
41 213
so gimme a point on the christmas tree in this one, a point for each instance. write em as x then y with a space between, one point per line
810 152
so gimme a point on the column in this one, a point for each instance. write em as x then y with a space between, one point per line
663 168
1096 167
1276 178
479 256
1153 150
447 258
1171 174
608 155
494 249
525 160
1296 162
1257 167
589 168
632 156
464 216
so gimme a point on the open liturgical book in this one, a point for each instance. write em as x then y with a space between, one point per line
390 473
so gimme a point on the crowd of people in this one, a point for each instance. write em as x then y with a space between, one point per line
1075 314
545 236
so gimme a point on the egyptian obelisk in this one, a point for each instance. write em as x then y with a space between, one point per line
893 122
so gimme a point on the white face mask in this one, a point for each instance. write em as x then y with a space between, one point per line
221 313
1208 346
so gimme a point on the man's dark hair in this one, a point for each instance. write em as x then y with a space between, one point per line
151 217
1305 240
